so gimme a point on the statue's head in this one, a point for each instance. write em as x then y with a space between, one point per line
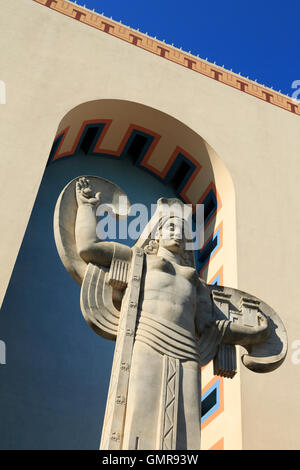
170 228
171 234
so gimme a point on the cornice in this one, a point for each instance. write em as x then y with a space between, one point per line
171 53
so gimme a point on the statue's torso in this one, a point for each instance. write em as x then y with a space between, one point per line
168 291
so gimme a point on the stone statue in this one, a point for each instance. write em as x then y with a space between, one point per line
166 321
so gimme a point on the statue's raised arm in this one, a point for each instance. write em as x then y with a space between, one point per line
92 262
89 247
75 224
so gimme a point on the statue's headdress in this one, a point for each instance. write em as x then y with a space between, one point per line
166 209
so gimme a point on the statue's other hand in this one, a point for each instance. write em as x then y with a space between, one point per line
248 335
262 331
85 194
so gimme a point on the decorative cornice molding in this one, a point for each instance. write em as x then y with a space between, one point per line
172 54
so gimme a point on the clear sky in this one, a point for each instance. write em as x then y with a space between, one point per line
258 38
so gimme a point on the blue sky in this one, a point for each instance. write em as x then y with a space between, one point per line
258 38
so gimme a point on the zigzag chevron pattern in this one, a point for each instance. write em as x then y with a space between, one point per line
171 401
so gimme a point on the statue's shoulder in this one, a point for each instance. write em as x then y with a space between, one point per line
203 292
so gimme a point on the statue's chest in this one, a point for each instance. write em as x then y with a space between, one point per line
160 273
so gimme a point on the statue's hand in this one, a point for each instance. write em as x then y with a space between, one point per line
85 194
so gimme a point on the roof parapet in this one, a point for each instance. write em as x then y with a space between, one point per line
173 53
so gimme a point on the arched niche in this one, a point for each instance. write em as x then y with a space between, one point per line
171 153
65 367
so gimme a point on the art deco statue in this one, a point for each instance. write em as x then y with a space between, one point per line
166 321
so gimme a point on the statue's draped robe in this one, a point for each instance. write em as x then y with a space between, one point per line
164 394
154 399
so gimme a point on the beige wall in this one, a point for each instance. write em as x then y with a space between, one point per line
51 63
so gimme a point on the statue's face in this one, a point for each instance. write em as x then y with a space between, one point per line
172 235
